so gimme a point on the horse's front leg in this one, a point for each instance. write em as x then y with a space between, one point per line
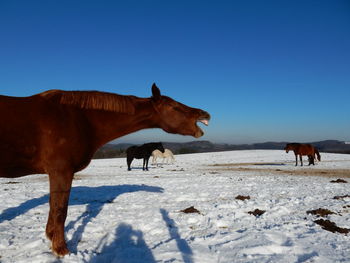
145 163
296 160
60 186
129 160
301 159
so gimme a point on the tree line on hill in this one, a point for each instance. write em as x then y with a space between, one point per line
119 150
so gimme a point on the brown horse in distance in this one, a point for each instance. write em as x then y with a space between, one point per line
57 132
303 149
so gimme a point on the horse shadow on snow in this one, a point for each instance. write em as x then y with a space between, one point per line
94 197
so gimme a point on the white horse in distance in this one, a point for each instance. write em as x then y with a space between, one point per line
167 155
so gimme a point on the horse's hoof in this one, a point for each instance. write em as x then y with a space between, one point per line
60 251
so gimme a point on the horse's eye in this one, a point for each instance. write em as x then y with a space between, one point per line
178 109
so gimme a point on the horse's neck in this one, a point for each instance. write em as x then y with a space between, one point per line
109 125
149 150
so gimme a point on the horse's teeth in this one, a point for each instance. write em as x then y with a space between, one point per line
205 122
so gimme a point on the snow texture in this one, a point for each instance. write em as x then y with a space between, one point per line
127 217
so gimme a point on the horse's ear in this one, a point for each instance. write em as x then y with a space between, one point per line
155 92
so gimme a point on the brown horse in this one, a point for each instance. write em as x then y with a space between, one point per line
57 132
303 149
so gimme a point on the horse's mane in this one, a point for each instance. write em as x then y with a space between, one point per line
92 100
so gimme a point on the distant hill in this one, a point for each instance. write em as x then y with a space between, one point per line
118 150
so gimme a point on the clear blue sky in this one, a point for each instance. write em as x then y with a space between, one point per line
265 70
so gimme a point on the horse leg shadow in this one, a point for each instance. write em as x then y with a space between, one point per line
91 212
185 249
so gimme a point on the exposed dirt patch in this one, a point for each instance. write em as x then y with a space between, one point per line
242 197
12 183
257 212
190 210
339 181
44 177
341 196
331 226
79 176
301 171
246 164
177 170
320 212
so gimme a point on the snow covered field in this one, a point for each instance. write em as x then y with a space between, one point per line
124 217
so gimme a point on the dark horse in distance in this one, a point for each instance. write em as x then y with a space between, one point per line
57 132
303 149
142 152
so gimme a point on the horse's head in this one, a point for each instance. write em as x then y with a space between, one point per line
175 117
287 148
159 146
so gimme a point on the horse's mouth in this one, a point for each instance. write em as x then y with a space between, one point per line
203 119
